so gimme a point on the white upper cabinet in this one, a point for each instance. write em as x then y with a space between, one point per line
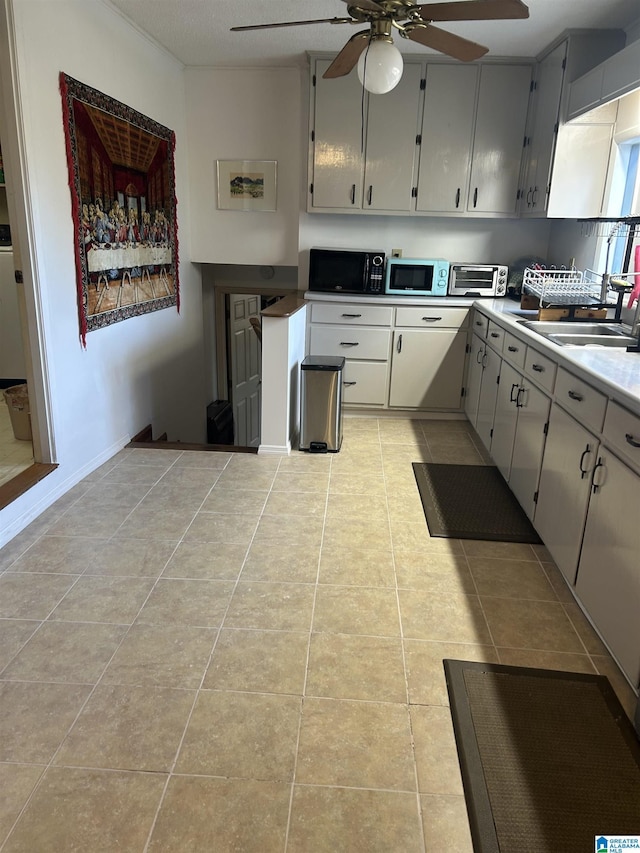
616 76
447 134
499 131
364 146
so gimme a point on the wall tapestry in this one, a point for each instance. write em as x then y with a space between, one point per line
122 182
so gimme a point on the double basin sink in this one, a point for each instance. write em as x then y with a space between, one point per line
578 334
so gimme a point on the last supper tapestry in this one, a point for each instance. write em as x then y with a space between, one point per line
122 182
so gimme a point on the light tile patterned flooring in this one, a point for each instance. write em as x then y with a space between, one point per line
216 652
15 454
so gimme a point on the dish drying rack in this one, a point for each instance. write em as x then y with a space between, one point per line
565 288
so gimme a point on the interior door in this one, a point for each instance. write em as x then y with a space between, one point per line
244 357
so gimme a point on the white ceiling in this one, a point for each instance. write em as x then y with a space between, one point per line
197 31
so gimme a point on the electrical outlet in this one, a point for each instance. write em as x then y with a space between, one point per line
396 253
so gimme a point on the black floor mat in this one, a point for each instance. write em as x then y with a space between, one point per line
549 759
471 502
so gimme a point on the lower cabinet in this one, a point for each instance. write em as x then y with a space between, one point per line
491 362
427 369
608 581
505 418
570 456
474 378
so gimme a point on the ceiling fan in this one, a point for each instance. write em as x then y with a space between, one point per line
379 61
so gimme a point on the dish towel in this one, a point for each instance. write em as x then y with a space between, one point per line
634 296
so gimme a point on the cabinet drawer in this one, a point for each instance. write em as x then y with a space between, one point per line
480 324
540 368
356 315
495 335
584 401
365 382
432 317
622 432
514 349
350 341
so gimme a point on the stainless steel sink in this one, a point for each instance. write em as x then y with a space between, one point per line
581 334
592 340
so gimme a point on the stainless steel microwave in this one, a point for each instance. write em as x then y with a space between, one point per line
346 271
416 277
478 280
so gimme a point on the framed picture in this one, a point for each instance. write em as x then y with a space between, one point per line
246 184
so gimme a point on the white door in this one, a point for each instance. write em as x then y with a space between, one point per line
608 582
505 419
474 379
427 368
391 144
528 445
338 145
491 362
563 493
497 148
244 369
447 134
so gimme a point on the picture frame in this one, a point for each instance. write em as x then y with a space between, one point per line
246 184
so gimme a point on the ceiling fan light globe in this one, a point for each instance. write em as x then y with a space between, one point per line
380 67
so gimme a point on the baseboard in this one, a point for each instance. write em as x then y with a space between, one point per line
274 450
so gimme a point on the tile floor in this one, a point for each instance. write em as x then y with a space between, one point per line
15 454
227 652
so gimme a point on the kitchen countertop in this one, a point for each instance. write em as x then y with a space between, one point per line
613 371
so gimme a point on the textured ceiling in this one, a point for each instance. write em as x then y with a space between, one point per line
197 31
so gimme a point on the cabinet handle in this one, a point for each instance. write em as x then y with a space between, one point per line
585 452
399 344
458 197
475 196
351 315
513 349
529 194
575 396
538 368
349 343
370 194
513 399
479 356
495 334
595 486
630 440
519 405
485 358
349 384
431 319
353 193
533 197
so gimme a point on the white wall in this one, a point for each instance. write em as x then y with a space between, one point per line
147 369
243 114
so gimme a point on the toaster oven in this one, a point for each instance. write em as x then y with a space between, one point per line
478 280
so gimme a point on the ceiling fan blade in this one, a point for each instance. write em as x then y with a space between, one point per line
444 42
348 56
294 24
370 5
474 10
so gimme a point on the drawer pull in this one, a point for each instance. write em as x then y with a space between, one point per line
631 440
351 315
479 323
513 349
349 343
539 368
349 384
431 319
495 334
575 396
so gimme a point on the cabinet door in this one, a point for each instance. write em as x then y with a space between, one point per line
563 493
497 148
391 144
505 419
474 379
580 170
608 582
338 159
547 96
427 368
488 392
528 445
447 132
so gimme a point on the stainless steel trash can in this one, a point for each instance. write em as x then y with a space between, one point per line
321 403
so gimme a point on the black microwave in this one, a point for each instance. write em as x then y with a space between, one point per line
346 271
